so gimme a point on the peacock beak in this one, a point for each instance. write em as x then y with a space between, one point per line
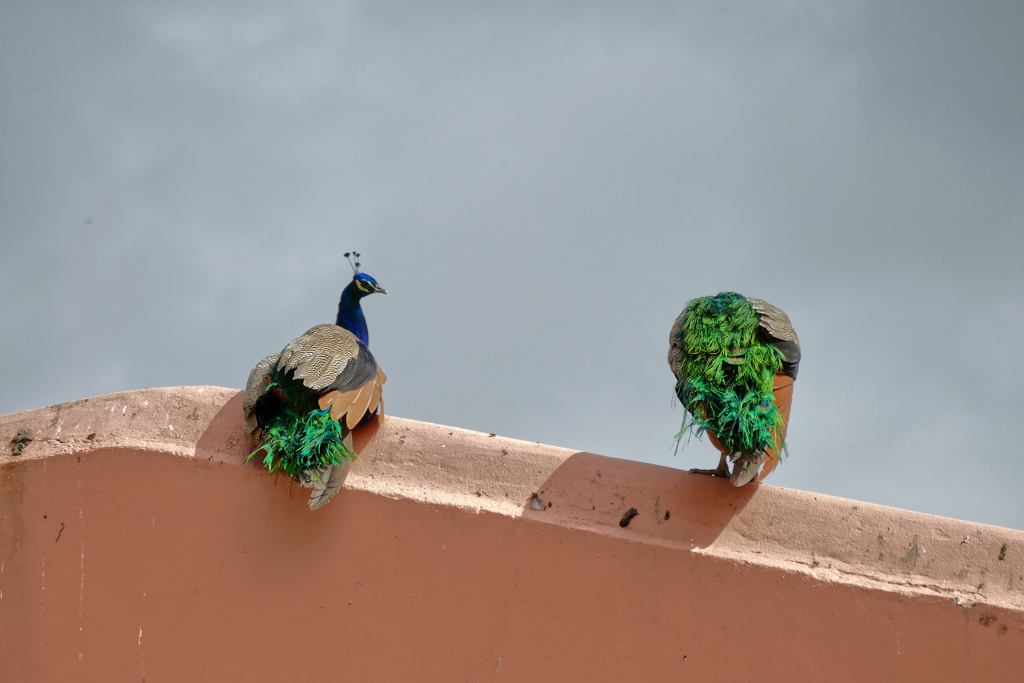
379 289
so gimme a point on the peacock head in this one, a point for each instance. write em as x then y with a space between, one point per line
363 285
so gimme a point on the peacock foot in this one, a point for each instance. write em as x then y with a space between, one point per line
720 471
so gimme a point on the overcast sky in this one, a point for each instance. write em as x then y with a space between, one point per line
541 187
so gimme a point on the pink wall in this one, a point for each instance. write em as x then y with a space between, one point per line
133 551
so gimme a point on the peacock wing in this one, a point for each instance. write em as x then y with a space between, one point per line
327 358
676 344
331 361
359 404
374 403
339 401
254 389
776 323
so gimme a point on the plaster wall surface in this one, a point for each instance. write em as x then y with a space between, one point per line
137 544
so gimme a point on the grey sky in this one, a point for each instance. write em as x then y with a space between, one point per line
541 186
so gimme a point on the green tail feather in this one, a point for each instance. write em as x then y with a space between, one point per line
726 375
301 436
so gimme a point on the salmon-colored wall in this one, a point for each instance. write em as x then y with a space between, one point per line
130 551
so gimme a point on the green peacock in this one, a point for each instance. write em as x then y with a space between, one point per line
302 404
735 360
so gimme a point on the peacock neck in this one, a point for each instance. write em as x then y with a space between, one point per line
350 314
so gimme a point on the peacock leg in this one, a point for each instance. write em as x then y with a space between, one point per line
721 471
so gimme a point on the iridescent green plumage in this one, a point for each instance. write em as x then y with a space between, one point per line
725 374
300 437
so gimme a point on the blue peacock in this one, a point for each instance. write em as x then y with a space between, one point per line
735 359
302 404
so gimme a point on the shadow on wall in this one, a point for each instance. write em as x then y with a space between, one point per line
286 525
672 506
588 491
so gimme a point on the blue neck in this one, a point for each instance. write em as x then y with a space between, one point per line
350 313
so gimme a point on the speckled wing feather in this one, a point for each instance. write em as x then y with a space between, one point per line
321 357
775 321
675 344
254 389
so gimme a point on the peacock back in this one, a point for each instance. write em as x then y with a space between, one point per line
301 404
725 351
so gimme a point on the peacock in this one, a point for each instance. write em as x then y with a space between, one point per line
302 404
735 360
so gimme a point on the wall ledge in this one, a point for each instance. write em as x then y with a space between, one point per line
136 542
823 537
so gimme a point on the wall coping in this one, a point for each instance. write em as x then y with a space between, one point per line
829 539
